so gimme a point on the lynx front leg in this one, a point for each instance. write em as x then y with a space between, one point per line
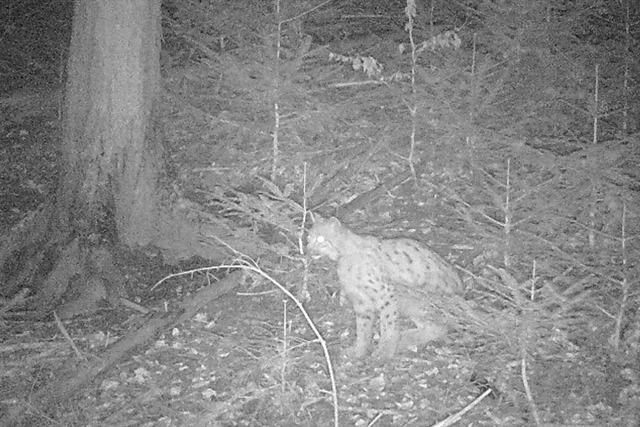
364 330
389 333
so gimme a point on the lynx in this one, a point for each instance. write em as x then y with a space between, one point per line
386 278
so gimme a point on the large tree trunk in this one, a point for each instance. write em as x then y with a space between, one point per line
111 148
111 151
112 157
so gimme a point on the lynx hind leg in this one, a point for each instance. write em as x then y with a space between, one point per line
389 332
420 336
364 331
426 329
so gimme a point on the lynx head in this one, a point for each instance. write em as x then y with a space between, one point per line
323 237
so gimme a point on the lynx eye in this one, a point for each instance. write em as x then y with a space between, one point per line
320 239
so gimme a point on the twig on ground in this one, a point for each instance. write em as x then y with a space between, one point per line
452 419
66 335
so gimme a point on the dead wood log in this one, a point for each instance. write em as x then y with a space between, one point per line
58 392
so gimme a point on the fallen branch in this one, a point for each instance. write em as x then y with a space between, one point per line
56 393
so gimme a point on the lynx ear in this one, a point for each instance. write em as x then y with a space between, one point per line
334 221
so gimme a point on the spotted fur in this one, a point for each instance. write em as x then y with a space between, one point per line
385 278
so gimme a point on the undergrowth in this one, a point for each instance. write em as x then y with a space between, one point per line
507 130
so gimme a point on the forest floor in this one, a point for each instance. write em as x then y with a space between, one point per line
250 358
508 184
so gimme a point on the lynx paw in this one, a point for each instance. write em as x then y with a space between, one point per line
385 351
383 354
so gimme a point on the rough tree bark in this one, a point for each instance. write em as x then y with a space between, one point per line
112 154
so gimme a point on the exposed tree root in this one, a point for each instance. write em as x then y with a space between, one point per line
21 249
73 274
